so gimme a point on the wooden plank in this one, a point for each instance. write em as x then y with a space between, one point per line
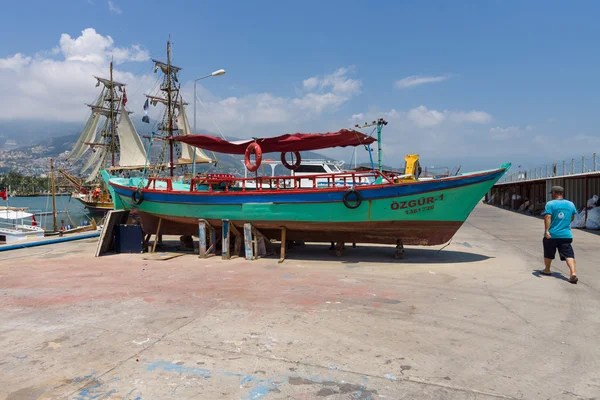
237 240
202 238
283 244
156 235
212 250
162 256
207 236
113 218
249 242
254 243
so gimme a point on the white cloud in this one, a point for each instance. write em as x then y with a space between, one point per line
477 117
16 62
55 86
328 91
511 132
311 83
266 113
338 82
317 102
416 80
423 117
95 48
441 137
114 8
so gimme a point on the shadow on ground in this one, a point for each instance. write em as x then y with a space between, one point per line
555 274
382 254
358 254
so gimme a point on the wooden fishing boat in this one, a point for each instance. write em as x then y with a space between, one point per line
359 206
366 206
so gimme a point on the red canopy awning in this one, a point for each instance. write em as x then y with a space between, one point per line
283 143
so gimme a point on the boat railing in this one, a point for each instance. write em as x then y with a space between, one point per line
152 184
224 182
14 228
8 227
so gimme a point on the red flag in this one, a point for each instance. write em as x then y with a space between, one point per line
3 194
124 97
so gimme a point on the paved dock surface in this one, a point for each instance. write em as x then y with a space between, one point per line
474 321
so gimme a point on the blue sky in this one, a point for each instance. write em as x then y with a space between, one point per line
464 82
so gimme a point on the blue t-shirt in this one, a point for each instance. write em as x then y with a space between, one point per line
562 212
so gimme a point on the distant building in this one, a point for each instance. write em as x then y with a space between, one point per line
10 144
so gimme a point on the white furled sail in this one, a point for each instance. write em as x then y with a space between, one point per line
155 100
164 67
89 131
96 170
187 151
94 158
81 147
132 152
109 83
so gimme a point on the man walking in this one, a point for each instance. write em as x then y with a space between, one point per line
557 220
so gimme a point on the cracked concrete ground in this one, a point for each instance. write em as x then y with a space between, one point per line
474 321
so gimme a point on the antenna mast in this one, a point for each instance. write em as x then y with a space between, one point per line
379 124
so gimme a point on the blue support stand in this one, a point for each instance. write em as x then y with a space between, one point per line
230 230
249 243
208 239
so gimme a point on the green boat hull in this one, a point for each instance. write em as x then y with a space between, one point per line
428 217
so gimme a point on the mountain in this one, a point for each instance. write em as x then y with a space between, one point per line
27 133
49 147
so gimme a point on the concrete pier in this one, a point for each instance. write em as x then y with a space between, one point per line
473 321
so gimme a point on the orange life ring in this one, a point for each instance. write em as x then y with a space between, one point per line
294 166
253 148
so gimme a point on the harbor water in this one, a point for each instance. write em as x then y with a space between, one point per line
69 210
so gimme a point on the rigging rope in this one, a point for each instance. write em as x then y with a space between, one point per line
211 118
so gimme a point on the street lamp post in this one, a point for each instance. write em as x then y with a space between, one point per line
218 72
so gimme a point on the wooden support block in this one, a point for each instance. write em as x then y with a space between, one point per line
207 239
283 244
237 240
340 249
212 250
399 253
202 245
157 236
112 219
146 242
225 252
250 249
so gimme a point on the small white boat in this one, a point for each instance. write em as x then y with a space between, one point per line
14 226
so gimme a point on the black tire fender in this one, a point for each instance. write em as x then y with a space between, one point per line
357 202
137 197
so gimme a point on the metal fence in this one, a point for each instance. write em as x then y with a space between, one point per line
555 170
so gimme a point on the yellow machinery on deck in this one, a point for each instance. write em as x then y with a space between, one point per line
412 169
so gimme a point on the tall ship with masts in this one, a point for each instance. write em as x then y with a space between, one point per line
112 145
108 140
172 123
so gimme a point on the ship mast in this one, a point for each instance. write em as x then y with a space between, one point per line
170 100
112 145
171 165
